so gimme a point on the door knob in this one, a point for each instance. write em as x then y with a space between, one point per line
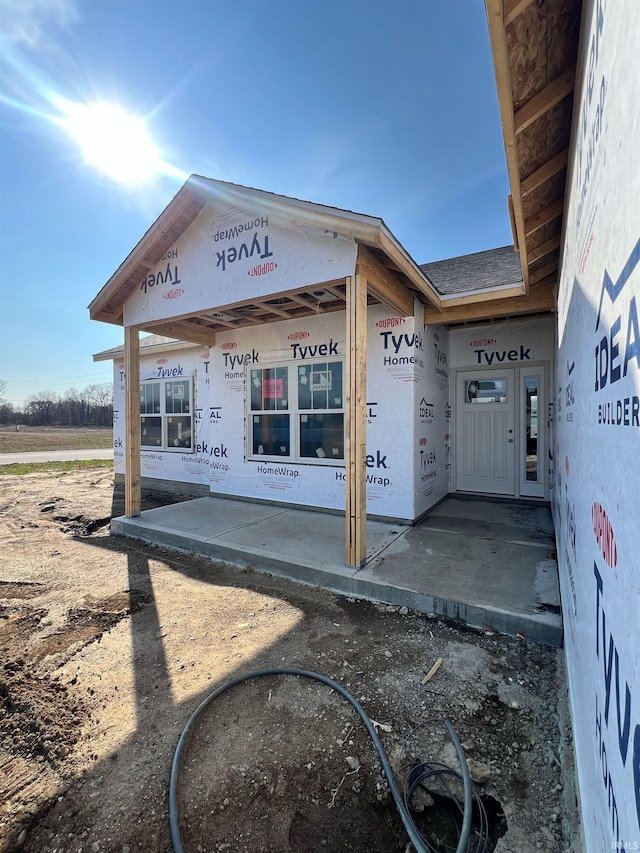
510 440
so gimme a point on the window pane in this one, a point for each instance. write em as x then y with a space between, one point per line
320 385
256 390
304 386
177 397
485 391
335 392
282 387
270 436
179 432
531 390
322 436
270 389
150 398
151 432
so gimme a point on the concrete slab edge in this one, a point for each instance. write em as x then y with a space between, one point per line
545 628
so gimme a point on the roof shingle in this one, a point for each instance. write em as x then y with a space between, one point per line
479 271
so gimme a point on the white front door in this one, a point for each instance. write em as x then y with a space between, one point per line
485 431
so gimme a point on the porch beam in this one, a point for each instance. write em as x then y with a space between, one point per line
356 422
383 284
132 493
483 296
541 298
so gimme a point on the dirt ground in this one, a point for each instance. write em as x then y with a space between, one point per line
107 646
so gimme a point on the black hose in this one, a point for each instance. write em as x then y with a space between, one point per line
403 811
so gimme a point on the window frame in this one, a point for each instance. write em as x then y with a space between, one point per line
294 413
165 416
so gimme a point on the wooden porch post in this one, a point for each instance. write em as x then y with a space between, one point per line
356 421
132 500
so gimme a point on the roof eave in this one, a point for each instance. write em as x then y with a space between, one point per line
506 291
163 346
190 200
500 54
180 202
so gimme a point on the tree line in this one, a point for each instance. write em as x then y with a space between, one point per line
92 407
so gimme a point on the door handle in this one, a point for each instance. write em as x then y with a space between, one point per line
510 440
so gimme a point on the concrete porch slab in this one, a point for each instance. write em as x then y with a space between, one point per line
489 565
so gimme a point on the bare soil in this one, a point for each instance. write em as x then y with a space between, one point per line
107 646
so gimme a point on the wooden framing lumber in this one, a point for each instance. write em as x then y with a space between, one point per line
407 266
132 493
540 299
512 221
513 8
335 292
356 421
545 99
500 52
483 296
383 285
543 218
297 298
236 315
545 172
544 249
182 330
176 217
544 272
273 309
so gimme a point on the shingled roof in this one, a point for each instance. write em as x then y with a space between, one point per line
148 344
488 270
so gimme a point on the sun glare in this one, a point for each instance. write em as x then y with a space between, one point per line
112 141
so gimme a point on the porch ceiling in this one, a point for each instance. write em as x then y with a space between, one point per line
202 327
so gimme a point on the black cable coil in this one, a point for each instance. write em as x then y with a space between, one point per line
418 774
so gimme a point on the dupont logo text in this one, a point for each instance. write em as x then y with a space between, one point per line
604 535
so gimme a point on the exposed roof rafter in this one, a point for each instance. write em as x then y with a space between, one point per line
535 53
513 8
544 100
544 217
545 172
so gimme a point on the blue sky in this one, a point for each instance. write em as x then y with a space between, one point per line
384 107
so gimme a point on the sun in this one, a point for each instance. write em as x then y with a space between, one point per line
112 141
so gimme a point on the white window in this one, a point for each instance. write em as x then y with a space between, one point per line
166 414
297 412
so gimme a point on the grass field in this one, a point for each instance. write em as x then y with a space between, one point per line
40 438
